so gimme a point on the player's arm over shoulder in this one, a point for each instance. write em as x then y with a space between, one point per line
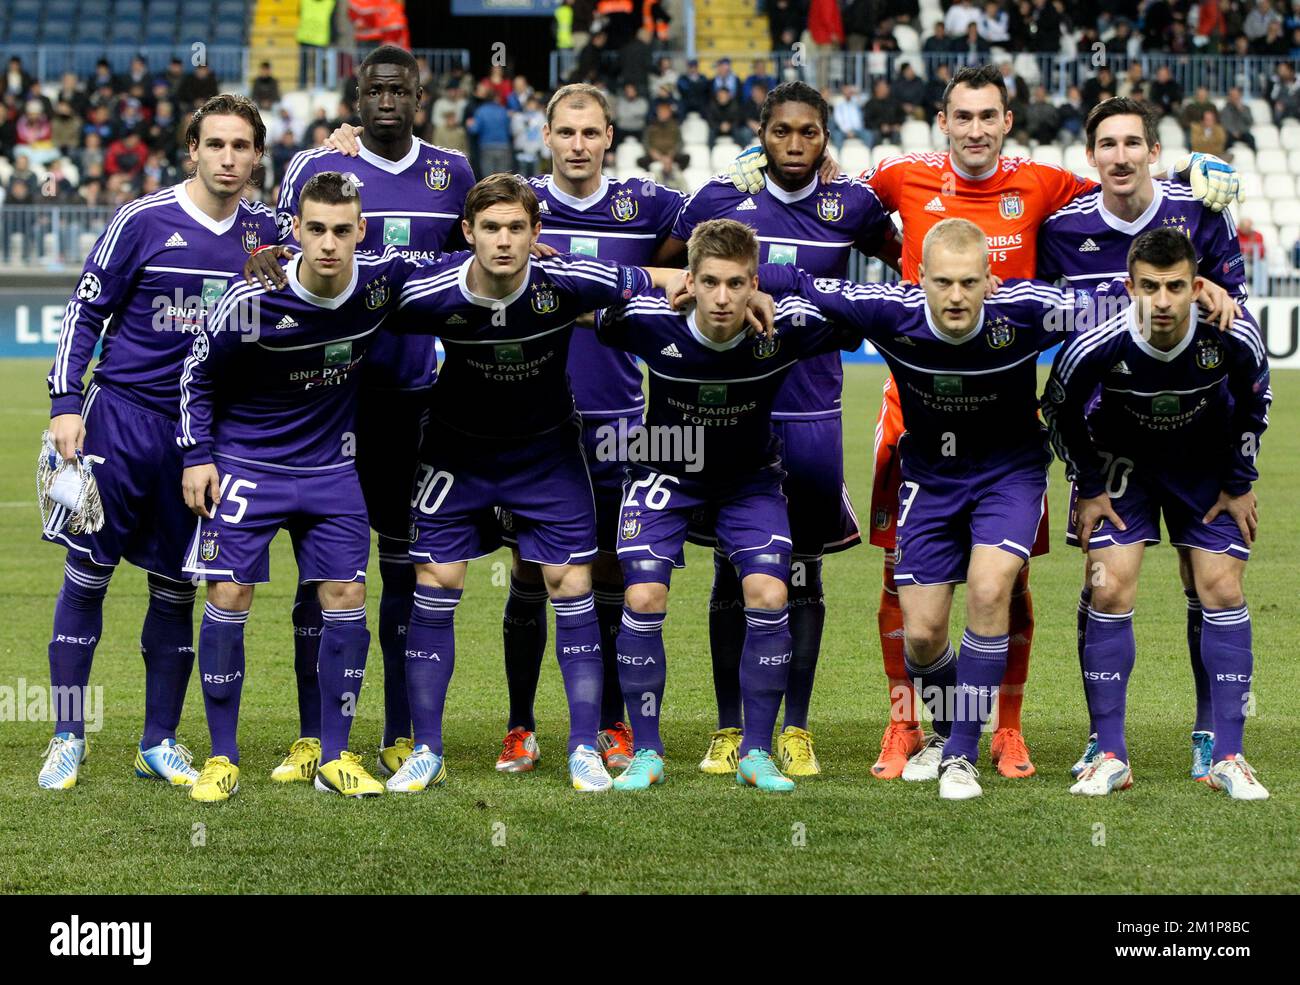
1252 393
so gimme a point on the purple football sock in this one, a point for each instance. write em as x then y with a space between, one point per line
1204 706
523 633
764 670
726 639
167 645
577 645
78 624
1108 660
1230 664
430 660
807 618
306 655
1080 638
981 662
642 672
395 593
936 686
344 641
221 666
609 616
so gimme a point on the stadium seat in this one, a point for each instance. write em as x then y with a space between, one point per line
1272 162
1252 184
1289 136
1256 210
882 151
1014 149
1266 136
1260 110
695 130
22 32
1286 211
697 177
124 33
854 157
723 153
915 135
629 151
1287 236
1076 159
1049 154
1243 158
906 38
1279 186
1026 67
229 32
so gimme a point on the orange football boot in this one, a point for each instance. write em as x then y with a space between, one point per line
897 746
1010 754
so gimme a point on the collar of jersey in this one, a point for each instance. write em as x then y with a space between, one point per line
789 198
317 300
944 337
707 342
967 176
1160 354
580 204
191 209
462 281
1138 224
392 167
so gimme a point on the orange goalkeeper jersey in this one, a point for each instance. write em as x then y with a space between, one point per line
1008 205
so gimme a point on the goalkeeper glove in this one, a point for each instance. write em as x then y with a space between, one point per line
746 171
66 492
1214 182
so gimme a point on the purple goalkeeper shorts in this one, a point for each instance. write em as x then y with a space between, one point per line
822 520
1183 497
138 467
748 517
471 493
390 425
324 513
942 515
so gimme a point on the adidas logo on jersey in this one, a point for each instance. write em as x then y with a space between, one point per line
935 205
671 350
455 320
1089 247
746 206
176 240
544 207
286 322
1121 367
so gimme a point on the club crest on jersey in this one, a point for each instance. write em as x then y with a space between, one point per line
438 177
1011 206
624 208
1208 354
765 348
1001 333
377 293
252 236
208 548
1178 222
830 207
631 527
544 299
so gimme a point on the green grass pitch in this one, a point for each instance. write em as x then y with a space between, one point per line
483 832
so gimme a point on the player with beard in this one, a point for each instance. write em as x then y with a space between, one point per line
156 271
413 194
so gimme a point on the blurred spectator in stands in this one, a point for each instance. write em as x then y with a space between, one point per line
99 122
786 20
1295 254
960 16
317 134
1069 115
754 107
760 74
1017 87
1021 26
664 75
18 81
938 44
635 59
1211 26
995 24
102 76
33 129
500 85
725 118
450 132
693 89
1194 109
908 91
1208 136
1045 30
266 90
1123 43
563 26
1260 17
1134 84
174 75
596 63
73 93
90 155
277 122
1166 94
631 111
883 38
1284 93
198 87
1294 50
973 49
517 101
1251 241
282 152
1042 120
453 100
125 155
935 86
526 128
137 74
621 21
664 150
860 17
157 166
1274 43
23 176
65 127
1237 119
1100 86
882 116
58 187
725 78
825 34
489 124
847 120
584 12
8 132
314 33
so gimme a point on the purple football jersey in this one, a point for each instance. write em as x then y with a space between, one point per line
966 403
813 228
624 221
506 371
154 273
412 206
273 381
717 394
1088 246
1205 400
